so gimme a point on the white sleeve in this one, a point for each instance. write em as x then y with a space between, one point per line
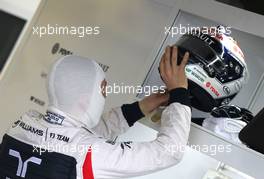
112 124
128 159
118 120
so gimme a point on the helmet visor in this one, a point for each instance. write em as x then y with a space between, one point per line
197 48
218 64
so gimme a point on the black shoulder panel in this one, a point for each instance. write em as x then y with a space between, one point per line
19 160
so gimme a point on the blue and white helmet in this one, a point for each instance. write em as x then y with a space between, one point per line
216 70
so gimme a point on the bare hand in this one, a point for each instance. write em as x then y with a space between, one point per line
152 102
173 75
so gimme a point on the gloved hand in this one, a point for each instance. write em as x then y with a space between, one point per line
173 75
152 102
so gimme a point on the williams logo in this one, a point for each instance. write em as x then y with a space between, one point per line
15 124
57 49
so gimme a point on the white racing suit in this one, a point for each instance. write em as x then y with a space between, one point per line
36 148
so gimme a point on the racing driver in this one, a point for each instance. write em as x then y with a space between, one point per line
41 146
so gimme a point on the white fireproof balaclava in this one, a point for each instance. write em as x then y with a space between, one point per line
74 88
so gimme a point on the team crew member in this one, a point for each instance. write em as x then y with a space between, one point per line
48 146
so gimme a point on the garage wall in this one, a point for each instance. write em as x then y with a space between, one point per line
199 162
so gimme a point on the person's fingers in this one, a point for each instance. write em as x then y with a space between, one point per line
165 99
185 60
159 96
161 67
162 91
174 57
167 59
162 58
167 52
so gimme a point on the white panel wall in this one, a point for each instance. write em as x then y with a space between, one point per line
258 103
23 78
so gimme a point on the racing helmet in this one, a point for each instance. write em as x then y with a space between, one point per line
216 69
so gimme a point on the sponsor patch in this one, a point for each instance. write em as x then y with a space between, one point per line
196 75
209 85
54 118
